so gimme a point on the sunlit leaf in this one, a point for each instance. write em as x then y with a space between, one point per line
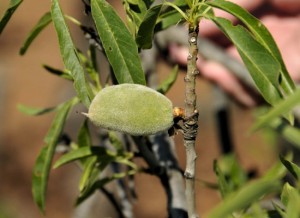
291 199
42 23
118 43
261 33
244 197
13 5
282 107
42 165
263 67
69 54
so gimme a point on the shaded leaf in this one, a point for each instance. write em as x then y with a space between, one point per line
244 197
165 86
145 32
13 5
100 183
84 136
58 72
118 44
34 111
262 35
282 107
42 165
42 23
292 168
69 54
263 68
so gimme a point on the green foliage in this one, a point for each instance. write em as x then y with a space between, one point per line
42 23
43 162
261 34
69 54
119 45
13 5
137 110
35 111
263 68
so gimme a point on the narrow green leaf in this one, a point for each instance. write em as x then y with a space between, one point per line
291 199
223 185
292 168
244 197
34 111
90 190
84 136
80 153
69 54
262 35
43 163
281 108
288 132
88 169
263 68
13 5
145 32
165 86
42 23
277 171
118 44
60 73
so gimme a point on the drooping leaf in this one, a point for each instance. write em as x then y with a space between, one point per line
43 163
261 33
42 23
13 5
281 108
118 44
244 197
263 67
60 73
145 32
34 111
69 54
165 86
291 167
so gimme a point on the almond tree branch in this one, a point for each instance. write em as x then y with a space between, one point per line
191 120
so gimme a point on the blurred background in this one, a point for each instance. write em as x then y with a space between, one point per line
24 81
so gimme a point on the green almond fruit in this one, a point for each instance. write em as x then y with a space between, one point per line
131 108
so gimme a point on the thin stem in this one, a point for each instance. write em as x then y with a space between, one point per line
191 120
